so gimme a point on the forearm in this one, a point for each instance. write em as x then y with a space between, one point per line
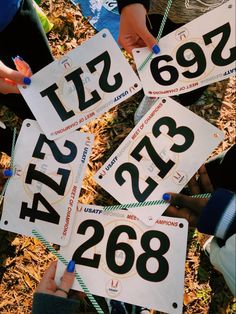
218 218
124 3
50 304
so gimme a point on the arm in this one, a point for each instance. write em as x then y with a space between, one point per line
124 3
224 259
50 298
50 304
133 29
214 216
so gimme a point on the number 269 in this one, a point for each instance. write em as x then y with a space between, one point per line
198 57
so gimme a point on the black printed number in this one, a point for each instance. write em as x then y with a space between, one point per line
163 266
163 166
50 215
34 213
106 83
216 56
191 55
114 246
95 239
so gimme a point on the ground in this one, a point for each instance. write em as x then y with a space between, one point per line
23 260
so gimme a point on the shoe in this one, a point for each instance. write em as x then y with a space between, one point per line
117 307
143 108
207 246
144 311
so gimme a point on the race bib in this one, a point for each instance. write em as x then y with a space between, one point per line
43 192
160 155
82 85
120 258
197 54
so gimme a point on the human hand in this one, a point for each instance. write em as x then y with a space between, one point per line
48 285
9 78
187 207
133 30
4 174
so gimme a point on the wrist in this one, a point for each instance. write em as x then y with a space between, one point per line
128 3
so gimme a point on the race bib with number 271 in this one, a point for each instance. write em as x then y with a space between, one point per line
82 85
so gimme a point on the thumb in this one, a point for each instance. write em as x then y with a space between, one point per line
13 75
148 38
66 280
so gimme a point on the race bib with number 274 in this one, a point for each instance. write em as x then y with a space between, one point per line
43 192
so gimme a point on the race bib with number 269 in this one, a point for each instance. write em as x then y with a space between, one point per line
199 53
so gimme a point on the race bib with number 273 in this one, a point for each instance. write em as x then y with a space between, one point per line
160 155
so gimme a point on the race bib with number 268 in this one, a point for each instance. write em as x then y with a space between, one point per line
118 257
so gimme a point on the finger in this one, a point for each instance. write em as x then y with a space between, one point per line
47 283
130 43
5 173
22 66
194 186
205 180
13 75
8 87
149 40
51 271
185 213
184 201
66 280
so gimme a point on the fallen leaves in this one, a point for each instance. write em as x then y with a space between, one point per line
23 260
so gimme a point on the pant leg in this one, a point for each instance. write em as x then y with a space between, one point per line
221 169
6 137
25 37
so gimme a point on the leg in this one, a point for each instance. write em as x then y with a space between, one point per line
221 169
25 37
6 136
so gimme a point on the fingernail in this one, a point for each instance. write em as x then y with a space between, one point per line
26 80
20 58
7 172
156 49
166 197
71 267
